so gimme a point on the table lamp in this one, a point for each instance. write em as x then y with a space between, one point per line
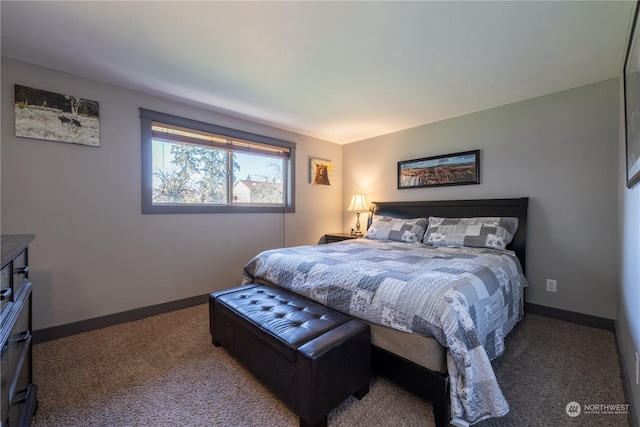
357 204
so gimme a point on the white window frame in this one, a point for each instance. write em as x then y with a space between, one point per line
147 117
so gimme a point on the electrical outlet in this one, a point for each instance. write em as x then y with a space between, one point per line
551 285
637 363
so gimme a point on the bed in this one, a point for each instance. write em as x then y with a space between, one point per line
438 312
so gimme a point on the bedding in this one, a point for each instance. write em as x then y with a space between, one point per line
397 229
485 232
468 299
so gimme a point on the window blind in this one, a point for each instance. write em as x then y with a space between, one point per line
177 134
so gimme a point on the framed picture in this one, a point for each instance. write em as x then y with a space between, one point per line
320 171
449 169
632 106
56 117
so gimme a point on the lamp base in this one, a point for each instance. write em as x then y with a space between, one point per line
357 232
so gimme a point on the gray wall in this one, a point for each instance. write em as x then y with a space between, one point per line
628 320
95 253
560 150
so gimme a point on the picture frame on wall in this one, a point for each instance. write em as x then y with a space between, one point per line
56 117
631 82
320 171
448 169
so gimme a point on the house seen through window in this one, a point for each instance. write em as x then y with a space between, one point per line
206 168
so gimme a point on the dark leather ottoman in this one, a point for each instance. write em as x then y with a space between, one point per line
312 357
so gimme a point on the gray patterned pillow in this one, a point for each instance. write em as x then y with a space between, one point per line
397 229
482 232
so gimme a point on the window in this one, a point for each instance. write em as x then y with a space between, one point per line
195 167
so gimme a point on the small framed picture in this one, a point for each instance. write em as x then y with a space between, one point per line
449 169
320 171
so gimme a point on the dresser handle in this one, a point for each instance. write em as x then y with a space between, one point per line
21 270
26 391
24 336
5 294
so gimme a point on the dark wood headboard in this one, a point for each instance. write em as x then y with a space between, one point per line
463 209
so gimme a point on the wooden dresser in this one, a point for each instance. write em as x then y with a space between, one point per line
17 392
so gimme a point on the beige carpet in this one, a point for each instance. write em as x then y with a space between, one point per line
163 371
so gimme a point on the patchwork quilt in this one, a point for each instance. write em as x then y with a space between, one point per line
469 299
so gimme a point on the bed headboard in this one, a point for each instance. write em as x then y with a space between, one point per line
460 209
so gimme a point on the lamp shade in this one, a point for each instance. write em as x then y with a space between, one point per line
357 203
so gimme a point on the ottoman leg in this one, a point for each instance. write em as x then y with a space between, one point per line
362 392
321 423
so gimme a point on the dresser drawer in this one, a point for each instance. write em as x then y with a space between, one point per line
19 340
22 393
20 273
6 292
4 384
13 278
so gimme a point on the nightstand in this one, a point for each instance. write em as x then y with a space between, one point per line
339 237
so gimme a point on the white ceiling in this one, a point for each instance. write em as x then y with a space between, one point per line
338 71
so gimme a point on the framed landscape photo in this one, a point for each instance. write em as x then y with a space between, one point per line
56 117
449 169
632 106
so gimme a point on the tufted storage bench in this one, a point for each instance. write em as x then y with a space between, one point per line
312 357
